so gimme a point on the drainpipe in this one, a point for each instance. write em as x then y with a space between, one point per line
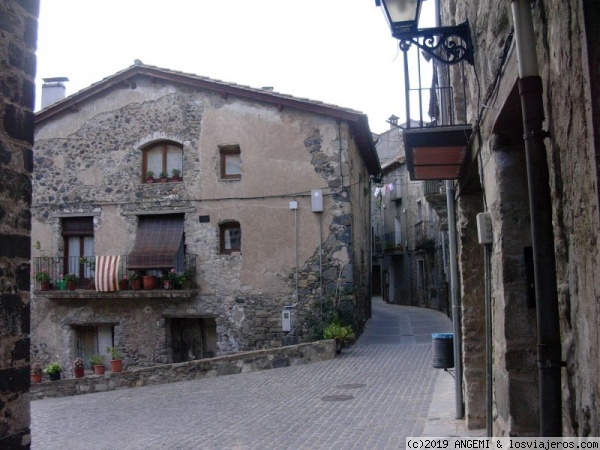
458 396
542 236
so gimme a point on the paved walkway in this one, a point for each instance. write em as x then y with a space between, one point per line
374 395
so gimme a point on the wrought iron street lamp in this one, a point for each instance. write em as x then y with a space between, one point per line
448 45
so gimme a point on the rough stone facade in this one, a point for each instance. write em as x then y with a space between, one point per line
567 54
18 39
89 163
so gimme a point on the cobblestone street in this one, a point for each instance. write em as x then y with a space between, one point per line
372 396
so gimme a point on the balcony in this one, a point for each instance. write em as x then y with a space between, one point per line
392 244
424 236
50 281
396 192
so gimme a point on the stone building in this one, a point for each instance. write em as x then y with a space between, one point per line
410 245
267 217
18 38
544 378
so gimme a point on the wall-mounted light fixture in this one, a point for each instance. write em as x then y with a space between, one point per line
448 45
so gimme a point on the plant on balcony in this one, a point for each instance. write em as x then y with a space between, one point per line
36 372
53 371
134 281
71 280
176 174
44 278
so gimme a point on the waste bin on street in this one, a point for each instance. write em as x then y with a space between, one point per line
443 350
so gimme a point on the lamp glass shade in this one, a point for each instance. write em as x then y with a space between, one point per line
402 15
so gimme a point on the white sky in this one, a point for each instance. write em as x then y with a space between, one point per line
335 51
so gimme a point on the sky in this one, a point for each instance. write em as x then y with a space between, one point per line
335 51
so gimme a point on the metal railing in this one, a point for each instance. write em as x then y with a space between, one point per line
54 273
424 236
431 187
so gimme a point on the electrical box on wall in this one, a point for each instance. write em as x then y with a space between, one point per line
286 319
484 228
316 200
294 205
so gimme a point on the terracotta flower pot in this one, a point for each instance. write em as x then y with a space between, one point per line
136 285
36 377
116 365
45 285
123 285
149 282
99 369
71 285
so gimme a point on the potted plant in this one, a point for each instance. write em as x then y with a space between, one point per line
116 363
78 369
171 280
36 373
134 281
176 175
71 280
44 278
97 362
124 283
90 268
342 334
53 371
149 177
163 176
149 282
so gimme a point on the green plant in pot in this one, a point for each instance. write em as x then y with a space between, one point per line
97 362
53 371
342 334
116 361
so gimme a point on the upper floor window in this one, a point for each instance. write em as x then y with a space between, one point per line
162 158
230 237
231 162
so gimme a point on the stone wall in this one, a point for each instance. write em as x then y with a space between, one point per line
568 63
193 370
18 39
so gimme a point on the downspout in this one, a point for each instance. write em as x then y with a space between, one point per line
456 320
540 210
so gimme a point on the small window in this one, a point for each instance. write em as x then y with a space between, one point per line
230 236
162 157
231 162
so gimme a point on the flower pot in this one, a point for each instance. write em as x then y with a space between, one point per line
149 180
54 376
99 369
62 285
167 284
123 285
149 282
36 377
79 372
176 178
71 285
116 365
136 285
45 285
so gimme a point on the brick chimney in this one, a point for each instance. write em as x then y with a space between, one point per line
53 90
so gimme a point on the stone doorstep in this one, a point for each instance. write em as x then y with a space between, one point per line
242 362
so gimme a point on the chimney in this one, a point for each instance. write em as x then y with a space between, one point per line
393 121
53 90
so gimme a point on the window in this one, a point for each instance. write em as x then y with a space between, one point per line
231 162
230 236
92 340
162 157
78 235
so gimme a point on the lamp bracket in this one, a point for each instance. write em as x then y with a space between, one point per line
448 45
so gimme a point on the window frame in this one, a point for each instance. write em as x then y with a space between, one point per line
84 228
223 227
163 145
226 151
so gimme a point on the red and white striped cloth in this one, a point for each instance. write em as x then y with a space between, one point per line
108 270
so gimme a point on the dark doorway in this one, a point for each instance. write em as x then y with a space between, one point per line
376 280
193 338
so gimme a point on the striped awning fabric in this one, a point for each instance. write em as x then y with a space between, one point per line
108 270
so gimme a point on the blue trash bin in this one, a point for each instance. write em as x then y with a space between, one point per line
443 350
